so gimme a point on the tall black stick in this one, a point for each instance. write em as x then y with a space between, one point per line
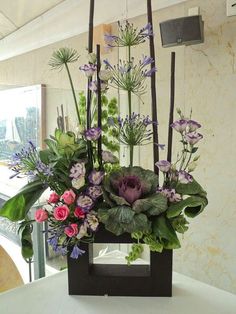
90 49
153 91
172 103
99 107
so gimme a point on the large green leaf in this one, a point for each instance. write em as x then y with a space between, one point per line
17 207
153 205
191 188
192 205
122 219
26 241
163 229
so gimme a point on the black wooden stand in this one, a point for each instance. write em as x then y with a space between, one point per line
86 278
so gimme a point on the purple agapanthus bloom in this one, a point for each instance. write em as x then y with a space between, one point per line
184 177
76 252
89 69
53 241
130 188
193 137
96 177
43 169
78 170
147 30
193 125
150 72
62 250
107 63
146 61
180 125
93 134
85 202
94 191
161 146
163 165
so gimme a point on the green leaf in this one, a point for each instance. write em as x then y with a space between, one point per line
52 145
191 188
153 243
26 241
140 222
163 229
44 156
121 214
192 205
17 207
179 224
154 205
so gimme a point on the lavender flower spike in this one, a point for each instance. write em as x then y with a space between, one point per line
180 125
76 252
93 134
193 137
184 177
163 165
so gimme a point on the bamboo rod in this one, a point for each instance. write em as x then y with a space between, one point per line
172 103
153 92
88 109
99 107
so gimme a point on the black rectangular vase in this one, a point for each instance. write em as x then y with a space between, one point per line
86 278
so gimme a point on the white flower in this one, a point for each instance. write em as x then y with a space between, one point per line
92 221
78 183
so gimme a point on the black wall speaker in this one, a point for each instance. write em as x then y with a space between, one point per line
187 30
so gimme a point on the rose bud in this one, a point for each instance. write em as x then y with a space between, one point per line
53 198
41 215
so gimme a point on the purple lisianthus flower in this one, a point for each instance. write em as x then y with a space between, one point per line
193 125
105 75
109 157
180 125
92 222
76 252
78 170
150 72
93 134
163 165
94 191
130 188
170 194
193 137
94 87
85 202
96 177
89 69
184 177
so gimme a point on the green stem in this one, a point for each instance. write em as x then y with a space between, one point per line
131 155
129 92
73 92
190 156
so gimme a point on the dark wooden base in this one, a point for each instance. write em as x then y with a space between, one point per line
86 278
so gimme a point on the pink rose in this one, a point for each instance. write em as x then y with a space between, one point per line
79 213
71 230
53 198
41 215
69 197
61 212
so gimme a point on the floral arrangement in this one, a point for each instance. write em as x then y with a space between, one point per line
88 186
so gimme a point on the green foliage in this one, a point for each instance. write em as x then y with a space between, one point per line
62 56
17 207
163 230
153 242
179 223
135 253
25 231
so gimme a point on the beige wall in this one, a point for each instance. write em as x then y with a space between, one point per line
205 82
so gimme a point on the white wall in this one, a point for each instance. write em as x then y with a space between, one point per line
205 82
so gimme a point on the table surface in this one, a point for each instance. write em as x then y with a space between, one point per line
49 295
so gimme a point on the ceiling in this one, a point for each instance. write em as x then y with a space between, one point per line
26 25
16 13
